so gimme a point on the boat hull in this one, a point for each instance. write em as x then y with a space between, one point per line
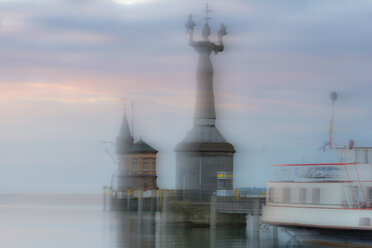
330 236
322 225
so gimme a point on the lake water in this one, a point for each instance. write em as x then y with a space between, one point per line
46 226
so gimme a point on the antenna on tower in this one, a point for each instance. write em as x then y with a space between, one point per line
206 10
132 118
124 99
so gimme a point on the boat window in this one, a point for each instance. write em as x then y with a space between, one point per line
271 194
286 195
357 194
369 193
360 156
316 196
369 156
302 195
366 157
364 221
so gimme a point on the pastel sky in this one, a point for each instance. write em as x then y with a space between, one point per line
65 64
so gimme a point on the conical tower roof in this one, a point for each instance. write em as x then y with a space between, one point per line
124 132
125 138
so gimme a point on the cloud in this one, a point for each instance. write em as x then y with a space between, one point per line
129 2
53 86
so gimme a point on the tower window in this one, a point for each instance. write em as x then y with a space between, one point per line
134 164
153 164
145 164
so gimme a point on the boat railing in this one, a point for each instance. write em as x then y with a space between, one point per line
323 172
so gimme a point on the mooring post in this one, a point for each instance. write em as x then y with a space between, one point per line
153 203
165 206
110 199
153 209
275 236
256 224
139 235
212 238
140 206
157 200
213 212
104 197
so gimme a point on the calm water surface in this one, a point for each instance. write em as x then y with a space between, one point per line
30 226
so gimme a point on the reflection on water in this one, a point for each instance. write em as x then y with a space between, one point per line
53 226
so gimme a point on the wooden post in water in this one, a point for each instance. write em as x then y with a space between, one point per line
157 200
213 212
139 217
164 206
140 206
153 209
212 238
153 204
275 236
256 224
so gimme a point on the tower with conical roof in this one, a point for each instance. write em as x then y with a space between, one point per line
123 143
136 161
204 159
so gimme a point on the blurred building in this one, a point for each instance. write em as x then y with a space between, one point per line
136 161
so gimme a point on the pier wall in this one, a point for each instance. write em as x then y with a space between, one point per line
199 214
191 208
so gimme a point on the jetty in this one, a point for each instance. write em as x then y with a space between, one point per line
190 207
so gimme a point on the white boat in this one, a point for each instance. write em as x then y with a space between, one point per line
326 202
